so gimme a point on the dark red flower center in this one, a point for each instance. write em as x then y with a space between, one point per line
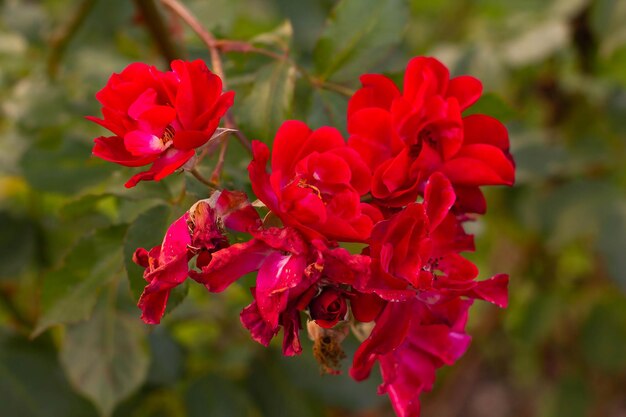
334 307
425 136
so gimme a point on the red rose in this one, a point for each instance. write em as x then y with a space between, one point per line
328 307
406 136
416 253
159 118
316 183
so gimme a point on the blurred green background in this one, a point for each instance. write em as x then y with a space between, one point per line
553 71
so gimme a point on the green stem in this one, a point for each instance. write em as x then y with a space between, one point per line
200 177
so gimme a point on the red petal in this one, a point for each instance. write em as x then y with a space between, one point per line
438 198
470 200
258 175
373 137
146 101
465 89
198 91
388 333
288 141
320 140
480 128
424 77
366 307
377 91
493 290
191 139
479 164
166 164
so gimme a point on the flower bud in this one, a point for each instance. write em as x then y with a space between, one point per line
328 307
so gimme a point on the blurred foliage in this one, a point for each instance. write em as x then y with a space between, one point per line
554 71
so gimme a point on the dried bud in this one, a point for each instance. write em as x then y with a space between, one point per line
327 346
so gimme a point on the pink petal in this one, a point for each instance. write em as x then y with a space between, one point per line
229 264
140 143
172 270
277 275
259 329
112 149
235 210
291 328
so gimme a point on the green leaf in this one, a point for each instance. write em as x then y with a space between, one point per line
612 240
328 109
307 18
18 243
607 21
89 204
70 291
604 337
168 357
214 395
66 168
104 358
338 390
146 232
360 34
571 398
274 391
492 105
32 383
269 103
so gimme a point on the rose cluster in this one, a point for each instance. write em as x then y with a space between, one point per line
400 188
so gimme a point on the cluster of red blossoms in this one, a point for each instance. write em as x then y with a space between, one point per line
402 185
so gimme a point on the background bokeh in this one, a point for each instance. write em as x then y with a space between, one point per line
71 342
